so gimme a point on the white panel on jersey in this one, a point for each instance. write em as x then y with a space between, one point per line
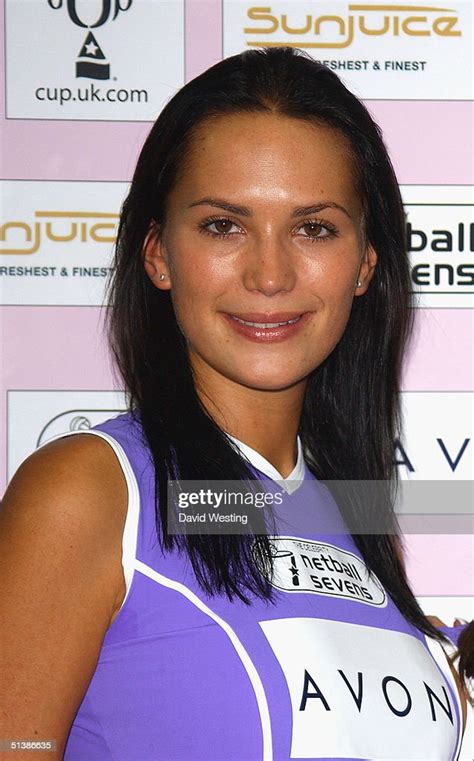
360 692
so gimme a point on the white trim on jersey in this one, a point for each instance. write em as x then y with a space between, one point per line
245 658
291 483
130 531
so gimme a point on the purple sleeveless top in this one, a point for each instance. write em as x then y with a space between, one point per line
331 671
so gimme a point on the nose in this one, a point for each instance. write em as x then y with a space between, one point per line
269 267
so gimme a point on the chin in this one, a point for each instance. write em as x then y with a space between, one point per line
266 381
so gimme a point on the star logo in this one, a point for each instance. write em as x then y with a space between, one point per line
91 61
91 49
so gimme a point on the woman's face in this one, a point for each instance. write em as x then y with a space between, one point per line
263 226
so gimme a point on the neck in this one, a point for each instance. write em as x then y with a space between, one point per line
265 420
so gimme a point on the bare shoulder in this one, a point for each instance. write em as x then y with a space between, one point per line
70 495
83 462
61 580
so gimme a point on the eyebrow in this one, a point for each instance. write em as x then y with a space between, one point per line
244 211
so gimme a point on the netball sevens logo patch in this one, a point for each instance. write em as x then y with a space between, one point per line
304 566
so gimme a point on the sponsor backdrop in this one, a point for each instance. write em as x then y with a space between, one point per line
77 102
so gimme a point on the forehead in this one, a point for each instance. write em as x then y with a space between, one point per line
262 153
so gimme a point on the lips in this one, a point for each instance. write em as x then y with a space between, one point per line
267 327
266 318
265 324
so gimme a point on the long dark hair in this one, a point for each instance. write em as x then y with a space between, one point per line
350 415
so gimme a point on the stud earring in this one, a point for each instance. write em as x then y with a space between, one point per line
358 284
163 276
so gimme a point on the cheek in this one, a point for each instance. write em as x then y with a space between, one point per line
334 287
191 261
337 305
333 276
200 270
197 281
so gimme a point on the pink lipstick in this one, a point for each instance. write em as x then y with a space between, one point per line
267 327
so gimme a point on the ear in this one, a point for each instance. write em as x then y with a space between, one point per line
366 270
155 260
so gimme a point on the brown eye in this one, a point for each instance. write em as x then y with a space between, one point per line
313 229
222 225
219 227
316 231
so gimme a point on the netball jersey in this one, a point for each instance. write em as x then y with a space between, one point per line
331 670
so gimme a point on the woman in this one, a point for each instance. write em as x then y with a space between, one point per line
259 311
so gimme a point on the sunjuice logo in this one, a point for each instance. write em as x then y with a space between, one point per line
57 241
21 237
340 31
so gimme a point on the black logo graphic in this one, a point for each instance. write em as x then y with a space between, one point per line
293 568
91 61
